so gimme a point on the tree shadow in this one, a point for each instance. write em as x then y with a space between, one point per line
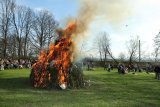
15 83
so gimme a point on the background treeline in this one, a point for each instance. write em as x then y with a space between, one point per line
24 31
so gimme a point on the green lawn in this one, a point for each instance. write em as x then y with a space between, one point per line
108 89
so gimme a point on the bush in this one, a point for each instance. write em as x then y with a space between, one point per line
76 79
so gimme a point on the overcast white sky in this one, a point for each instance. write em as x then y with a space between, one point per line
142 18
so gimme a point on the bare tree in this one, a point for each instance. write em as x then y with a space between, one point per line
43 29
51 27
157 46
12 46
100 48
21 29
27 29
104 47
132 46
5 22
19 24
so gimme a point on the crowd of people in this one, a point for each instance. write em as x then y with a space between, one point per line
13 64
123 69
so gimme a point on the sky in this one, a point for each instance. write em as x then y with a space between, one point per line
121 19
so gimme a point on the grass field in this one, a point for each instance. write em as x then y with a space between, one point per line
108 89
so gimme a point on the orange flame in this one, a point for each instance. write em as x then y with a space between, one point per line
61 53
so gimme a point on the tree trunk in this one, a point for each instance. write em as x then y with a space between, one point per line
5 45
25 46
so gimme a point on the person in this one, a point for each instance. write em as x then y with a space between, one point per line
135 67
129 67
147 68
88 65
105 66
92 65
109 67
157 72
119 68
2 64
123 69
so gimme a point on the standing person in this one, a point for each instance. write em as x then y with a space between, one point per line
105 65
88 65
29 64
92 65
123 69
147 68
157 72
119 68
129 67
158 77
2 64
135 67
109 67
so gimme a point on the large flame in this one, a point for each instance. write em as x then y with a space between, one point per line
61 54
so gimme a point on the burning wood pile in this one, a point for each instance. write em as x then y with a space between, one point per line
55 68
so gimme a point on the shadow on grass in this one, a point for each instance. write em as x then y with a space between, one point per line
14 83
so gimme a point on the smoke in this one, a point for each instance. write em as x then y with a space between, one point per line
111 11
95 16
86 15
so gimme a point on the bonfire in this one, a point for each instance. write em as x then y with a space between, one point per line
55 68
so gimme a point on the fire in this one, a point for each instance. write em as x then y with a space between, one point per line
61 54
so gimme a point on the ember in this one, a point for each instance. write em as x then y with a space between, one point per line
54 68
